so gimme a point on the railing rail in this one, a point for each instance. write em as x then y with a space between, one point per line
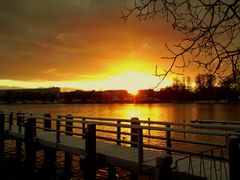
120 130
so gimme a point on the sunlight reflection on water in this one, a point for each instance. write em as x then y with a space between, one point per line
163 112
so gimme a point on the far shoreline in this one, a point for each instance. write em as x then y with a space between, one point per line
162 102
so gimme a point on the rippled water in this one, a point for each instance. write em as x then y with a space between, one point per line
163 111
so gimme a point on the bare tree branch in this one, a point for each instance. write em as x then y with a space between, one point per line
211 29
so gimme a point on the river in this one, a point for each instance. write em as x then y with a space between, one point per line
176 112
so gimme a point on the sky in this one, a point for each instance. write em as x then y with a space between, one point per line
80 44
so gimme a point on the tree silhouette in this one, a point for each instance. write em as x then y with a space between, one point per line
211 31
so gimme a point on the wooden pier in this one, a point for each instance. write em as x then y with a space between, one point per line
105 142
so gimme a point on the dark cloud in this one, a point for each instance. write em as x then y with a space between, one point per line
61 39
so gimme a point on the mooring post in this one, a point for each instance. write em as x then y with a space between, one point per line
30 149
163 167
68 156
90 152
134 131
168 139
2 133
49 153
234 157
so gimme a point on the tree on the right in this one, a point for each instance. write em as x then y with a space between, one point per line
211 31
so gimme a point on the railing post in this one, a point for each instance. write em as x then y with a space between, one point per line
140 147
49 153
30 149
2 133
58 126
168 139
134 131
149 124
83 127
135 139
10 120
68 156
69 124
119 132
234 157
184 127
20 120
47 123
90 152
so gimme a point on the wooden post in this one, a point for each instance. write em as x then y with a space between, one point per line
163 167
49 153
119 132
58 126
140 147
168 138
47 123
90 152
68 156
184 127
134 139
2 133
10 120
83 127
134 131
30 149
234 157
20 121
149 124
69 124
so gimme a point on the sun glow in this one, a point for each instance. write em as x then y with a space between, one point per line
131 81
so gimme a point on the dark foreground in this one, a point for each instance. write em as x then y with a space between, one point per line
12 167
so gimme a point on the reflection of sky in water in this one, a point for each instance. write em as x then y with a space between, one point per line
163 112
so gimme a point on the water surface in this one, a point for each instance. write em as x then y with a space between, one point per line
163 111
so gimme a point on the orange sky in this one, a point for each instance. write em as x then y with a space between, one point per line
80 44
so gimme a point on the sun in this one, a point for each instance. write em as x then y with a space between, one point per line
133 92
132 81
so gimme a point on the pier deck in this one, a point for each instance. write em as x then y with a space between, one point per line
124 143
107 153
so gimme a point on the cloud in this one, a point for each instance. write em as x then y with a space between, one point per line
59 40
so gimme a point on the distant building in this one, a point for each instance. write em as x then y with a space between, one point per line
37 90
21 95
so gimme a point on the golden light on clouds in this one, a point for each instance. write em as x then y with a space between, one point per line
132 81
79 44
